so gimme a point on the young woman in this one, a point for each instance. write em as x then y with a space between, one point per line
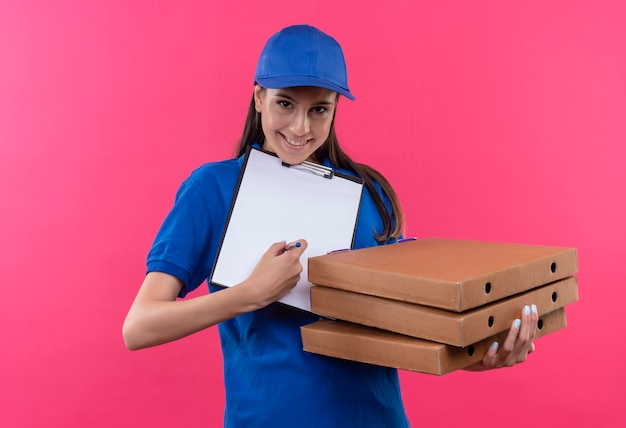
270 381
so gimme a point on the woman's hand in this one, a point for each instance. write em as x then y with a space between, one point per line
275 274
517 345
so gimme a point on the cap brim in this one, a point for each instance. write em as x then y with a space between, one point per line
292 81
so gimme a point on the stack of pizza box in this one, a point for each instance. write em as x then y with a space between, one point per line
434 305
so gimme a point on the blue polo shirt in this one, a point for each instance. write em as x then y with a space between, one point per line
270 381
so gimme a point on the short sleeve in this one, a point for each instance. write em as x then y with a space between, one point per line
182 245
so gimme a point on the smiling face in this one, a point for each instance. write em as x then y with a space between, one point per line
296 121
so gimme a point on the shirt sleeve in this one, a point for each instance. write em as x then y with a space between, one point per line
181 247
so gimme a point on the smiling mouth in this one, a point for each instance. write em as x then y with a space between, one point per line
294 142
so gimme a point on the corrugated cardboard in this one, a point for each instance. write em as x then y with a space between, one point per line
449 274
370 345
453 328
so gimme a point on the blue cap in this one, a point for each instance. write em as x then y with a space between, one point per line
302 55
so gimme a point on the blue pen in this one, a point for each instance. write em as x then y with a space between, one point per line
294 245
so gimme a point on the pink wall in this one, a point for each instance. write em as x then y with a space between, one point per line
495 120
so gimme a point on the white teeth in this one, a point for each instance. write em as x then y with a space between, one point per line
295 143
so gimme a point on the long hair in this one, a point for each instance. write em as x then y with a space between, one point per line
392 221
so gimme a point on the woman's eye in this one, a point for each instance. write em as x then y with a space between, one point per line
319 109
284 103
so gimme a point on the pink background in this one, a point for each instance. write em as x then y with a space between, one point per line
495 120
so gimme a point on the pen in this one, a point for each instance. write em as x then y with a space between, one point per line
293 245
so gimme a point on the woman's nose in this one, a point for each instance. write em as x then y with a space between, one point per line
300 124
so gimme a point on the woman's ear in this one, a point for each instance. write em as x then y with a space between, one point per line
258 98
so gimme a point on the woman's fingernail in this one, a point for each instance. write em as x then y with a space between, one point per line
526 310
534 308
517 323
494 346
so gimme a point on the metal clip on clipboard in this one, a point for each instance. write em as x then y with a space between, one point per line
321 170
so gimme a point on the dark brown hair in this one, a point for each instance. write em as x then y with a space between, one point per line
392 221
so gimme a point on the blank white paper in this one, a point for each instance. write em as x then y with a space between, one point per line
276 203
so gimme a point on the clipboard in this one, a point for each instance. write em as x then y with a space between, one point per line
275 202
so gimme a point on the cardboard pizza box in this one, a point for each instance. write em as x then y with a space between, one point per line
356 342
449 274
453 328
